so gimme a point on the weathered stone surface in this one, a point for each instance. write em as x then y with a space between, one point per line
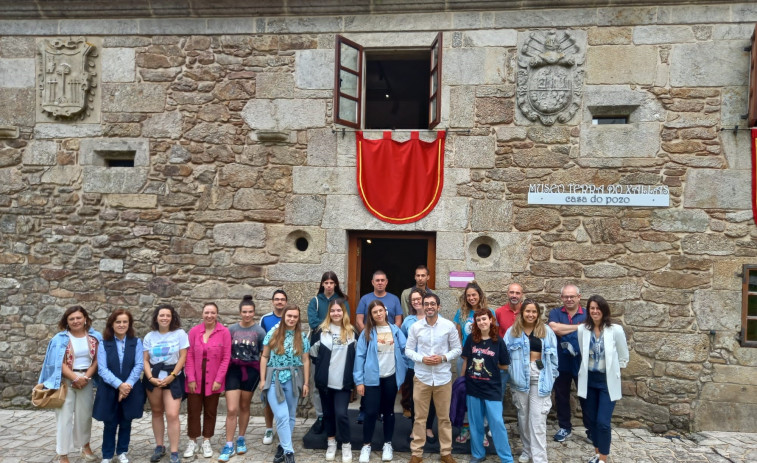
133 201
617 289
717 189
112 265
551 269
94 152
708 64
712 244
210 290
621 64
293 114
609 35
734 147
494 110
620 141
305 210
118 64
734 374
67 130
717 310
711 415
314 69
17 47
211 133
536 219
40 153
548 134
604 271
458 62
462 106
634 408
250 235
646 35
680 220
491 38
16 72
163 125
584 253
488 215
143 97
323 180
450 246
642 313
672 279
509 251
474 151
114 179
62 175
18 107
643 261
322 147
681 347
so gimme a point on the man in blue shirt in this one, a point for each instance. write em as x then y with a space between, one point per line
391 302
568 356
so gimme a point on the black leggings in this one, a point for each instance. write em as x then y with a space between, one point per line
335 419
380 399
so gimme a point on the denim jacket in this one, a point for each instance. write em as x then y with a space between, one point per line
519 350
52 366
366 369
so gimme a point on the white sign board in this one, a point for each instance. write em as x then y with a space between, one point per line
573 194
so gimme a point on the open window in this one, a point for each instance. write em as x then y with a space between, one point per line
387 88
749 307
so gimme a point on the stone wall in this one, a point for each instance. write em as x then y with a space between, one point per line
231 121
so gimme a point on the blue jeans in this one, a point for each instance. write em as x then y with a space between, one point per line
598 409
284 413
478 409
110 449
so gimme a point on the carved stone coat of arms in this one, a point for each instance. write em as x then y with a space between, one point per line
66 77
550 76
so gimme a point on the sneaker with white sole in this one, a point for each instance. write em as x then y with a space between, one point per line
365 454
562 434
190 451
594 459
524 458
226 453
331 450
241 445
207 451
123 458
388 452
268 436
346 452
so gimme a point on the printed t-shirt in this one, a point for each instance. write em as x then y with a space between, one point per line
165 348
385 344
246 343
287 358
482 374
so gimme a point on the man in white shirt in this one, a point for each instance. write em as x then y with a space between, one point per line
432 343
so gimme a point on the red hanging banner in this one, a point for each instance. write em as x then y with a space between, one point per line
400 182
753 132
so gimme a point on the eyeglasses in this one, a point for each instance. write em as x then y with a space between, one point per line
569 297
429 304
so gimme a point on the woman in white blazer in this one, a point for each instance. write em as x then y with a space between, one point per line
603 353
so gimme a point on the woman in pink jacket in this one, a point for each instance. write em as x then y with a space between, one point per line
207 361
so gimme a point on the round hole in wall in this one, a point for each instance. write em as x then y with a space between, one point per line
483 250
301 244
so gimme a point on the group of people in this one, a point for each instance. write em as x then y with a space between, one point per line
396 345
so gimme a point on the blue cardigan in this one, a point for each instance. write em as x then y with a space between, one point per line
366 369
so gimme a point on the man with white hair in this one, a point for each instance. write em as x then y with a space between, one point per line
568 356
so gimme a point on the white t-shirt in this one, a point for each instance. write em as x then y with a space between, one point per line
165 348
332 340
81 352
385 344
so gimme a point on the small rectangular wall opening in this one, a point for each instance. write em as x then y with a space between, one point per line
602 120
613 114
117 158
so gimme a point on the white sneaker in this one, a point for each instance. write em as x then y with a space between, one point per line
524 458
123 458
388 452
365 454
190 451
331 450
268 436
207 451
105 460
347 453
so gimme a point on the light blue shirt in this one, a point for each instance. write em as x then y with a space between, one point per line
107 375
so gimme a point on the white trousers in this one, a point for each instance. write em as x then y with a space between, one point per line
74 419
532 418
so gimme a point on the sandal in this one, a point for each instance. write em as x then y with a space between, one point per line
464 435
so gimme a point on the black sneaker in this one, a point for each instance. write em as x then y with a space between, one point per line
318 425
289 457
158 453
279 457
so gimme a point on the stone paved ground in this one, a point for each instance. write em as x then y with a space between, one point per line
29 437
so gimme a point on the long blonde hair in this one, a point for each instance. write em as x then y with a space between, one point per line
539 328
465 308
347 330
276 343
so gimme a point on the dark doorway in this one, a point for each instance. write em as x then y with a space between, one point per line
397 89
397 254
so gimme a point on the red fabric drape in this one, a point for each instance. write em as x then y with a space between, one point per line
400 182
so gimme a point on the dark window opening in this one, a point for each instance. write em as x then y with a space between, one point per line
610 120
483 251
113 158
301 244
749 307
397 89
119 162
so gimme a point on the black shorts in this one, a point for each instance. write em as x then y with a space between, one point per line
234 378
